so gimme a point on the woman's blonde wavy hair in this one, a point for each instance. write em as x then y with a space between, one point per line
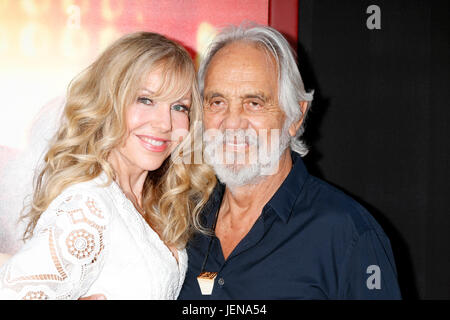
94 123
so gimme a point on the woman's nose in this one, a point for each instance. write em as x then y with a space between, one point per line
162 118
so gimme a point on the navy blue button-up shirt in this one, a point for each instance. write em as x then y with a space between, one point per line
311 241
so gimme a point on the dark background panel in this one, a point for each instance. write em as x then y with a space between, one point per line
378 126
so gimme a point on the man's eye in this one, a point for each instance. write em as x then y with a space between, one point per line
254 104
181 108
145 101
216 103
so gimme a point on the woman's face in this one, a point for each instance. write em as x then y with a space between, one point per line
154 126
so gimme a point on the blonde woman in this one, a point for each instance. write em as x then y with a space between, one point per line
112 211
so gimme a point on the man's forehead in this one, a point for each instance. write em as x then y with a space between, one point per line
241 92
241 58
240 88
241 65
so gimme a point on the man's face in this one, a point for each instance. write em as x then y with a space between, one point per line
241 97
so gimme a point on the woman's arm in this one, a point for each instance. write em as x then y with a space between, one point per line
3 258
65 254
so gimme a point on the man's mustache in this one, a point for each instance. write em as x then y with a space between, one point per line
233 136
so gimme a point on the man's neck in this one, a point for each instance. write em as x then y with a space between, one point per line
246 202
241 207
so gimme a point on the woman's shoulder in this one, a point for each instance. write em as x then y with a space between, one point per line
97 188
91 200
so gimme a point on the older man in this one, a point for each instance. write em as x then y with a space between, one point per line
279 233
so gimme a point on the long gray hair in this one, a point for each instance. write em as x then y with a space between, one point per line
290 83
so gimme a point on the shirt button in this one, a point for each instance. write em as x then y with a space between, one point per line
221 281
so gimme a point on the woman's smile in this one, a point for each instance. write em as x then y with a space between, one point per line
152 143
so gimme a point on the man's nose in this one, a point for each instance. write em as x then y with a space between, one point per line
235 118
162 118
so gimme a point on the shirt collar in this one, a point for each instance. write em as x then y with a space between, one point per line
282 202
213 204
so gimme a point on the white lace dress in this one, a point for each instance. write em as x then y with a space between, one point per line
92 240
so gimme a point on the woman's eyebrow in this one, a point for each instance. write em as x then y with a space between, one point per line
183 100
186 100
146 90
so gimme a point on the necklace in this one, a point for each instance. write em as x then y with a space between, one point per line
206 278
139 209
136 205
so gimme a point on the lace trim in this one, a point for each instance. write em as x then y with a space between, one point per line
61 276
73 235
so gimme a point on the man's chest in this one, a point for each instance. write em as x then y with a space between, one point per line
265 269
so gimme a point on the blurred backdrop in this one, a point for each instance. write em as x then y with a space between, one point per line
46 43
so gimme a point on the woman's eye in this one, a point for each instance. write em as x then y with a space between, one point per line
145 101
181 108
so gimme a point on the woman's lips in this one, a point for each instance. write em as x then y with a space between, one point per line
153 143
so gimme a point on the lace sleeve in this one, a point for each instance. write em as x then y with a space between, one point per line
65 254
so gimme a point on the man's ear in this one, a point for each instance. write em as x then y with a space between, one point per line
297 124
